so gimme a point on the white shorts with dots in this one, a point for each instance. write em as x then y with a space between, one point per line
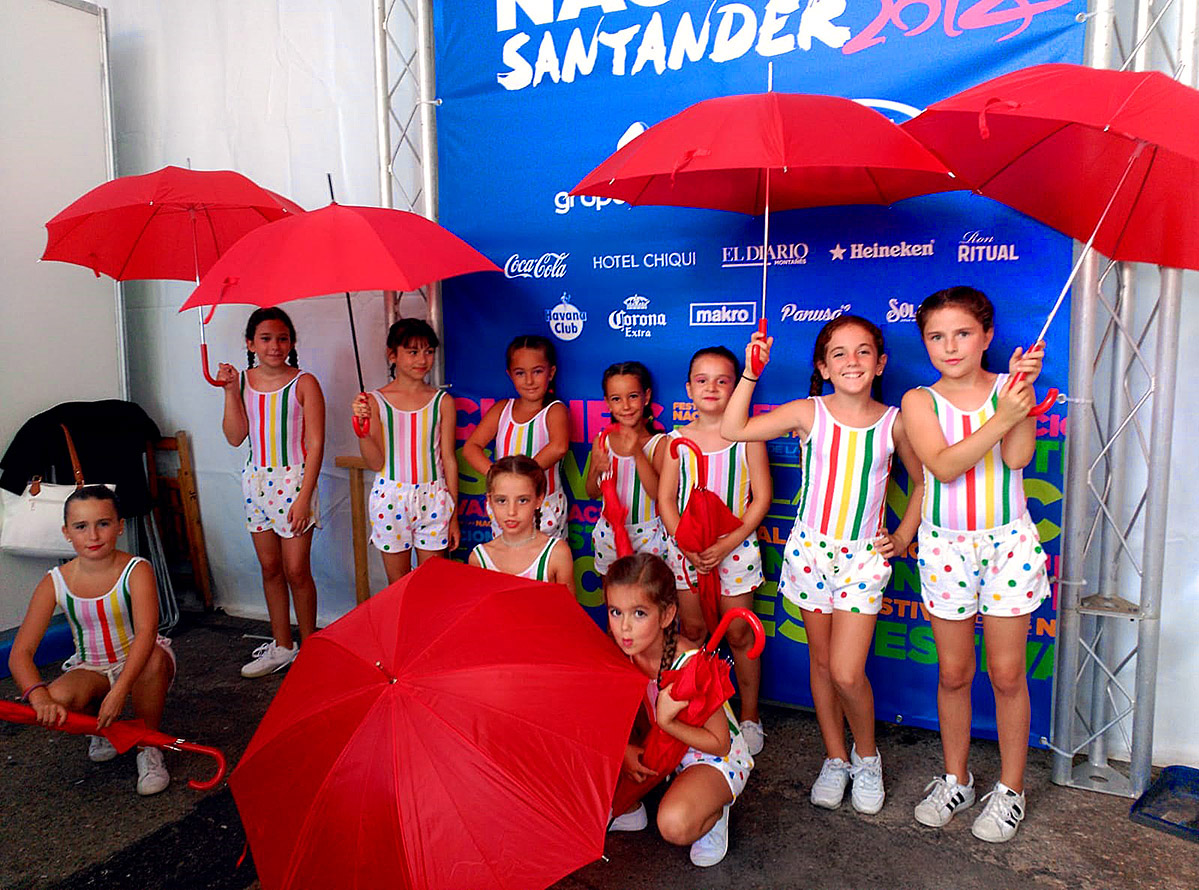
268 493
822 574
739 572
646 537
735 766
410 514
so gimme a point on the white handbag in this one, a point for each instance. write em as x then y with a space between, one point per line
33 524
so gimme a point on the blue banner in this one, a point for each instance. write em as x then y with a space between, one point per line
536 93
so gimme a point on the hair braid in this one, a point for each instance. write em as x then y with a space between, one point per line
669 643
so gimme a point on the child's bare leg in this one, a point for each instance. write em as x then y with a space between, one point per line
274 585
691 617
1006 640
297 568
423 556
692 804
852 634
80 690
829 715
150 689
955 658
397 565
741 639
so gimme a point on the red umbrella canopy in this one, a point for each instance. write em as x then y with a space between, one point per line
820 151
172 223
337 248
1057 142
461 729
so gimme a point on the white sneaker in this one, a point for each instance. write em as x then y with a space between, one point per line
710 848
754 737
829 787
100 749
1001 816
268 658
634 820
945 798
868 794
152 775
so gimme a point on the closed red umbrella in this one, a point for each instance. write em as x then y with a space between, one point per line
123 734
461 729
704 519
614 511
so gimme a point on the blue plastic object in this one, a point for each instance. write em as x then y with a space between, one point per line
1171 804
55 646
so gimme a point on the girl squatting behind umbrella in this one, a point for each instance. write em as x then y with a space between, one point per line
280 411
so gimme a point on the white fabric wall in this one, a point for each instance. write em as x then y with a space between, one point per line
283 92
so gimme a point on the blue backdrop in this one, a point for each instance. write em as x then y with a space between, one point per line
535 93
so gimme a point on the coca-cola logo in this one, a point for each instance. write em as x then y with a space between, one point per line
548 265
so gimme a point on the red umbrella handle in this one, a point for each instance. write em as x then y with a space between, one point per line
755 624
683 442
362 425
755 361
1045 404
204 366
214 753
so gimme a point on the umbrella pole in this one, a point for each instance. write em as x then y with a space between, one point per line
362 425
756 364
199 310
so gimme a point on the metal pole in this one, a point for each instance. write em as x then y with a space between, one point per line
428 150
1072 576
1165 373
383 128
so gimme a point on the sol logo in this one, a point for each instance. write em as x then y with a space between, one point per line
900 311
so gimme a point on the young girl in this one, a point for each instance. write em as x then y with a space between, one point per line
534 424
281 411
515 494
978 546
740 473
837 560
411 447
636 452
111 605
642 606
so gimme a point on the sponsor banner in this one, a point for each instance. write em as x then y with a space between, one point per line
535 93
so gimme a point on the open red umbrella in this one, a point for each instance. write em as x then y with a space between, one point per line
704 682
123 734
169 224
1110 158
614 511
704 519
337 249
462 729
769 151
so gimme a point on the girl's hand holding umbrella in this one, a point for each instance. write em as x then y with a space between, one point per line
49 712
226 375
111 706
714 555
633 768
623 440
601 463
1016 400
757 353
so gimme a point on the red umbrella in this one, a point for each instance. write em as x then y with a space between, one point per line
704 682
333 250
1110 158
123 734
614 511
704 519
462 729
769 151
169 224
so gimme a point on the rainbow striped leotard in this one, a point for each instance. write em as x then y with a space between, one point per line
537 570
276 424
728 475
527 438
102 626
845 472
987 495
640 503
412 441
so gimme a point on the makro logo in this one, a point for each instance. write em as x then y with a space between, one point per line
792 312
707 314
636 319
975 247
794 254
876 251
900 311
548 265
565 319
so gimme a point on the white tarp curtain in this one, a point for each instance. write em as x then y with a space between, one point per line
284 92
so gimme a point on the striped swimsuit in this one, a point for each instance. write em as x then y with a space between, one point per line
645 529
537 570
830 561
410 505
529 438
274 471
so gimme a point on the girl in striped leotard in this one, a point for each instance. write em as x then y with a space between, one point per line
837 559
414 500
280 411
534 424
979 549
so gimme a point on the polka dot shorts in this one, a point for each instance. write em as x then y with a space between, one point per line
267 495
822 574
740 572
409 514
735 766
996 571
646 537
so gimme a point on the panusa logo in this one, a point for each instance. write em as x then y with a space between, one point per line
975 247
795 254
635 319
792 312
878 251
565 319
900 311
706 314
548 265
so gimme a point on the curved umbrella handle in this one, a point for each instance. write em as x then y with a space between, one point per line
755 624
362 425
214 753
204 366
1042 406
701 458
755 361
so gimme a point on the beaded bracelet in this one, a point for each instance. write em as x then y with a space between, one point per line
39 685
